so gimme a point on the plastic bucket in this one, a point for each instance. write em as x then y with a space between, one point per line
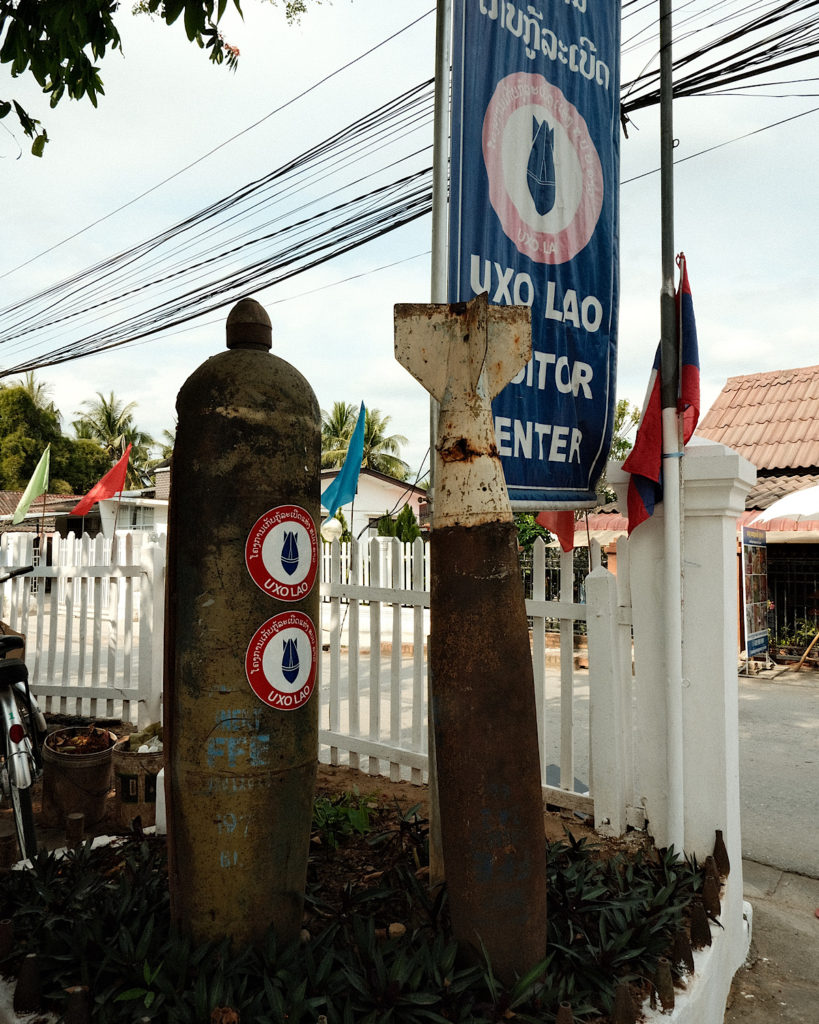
75 783
135 785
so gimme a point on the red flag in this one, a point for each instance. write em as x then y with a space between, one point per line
645 459
107 487
561 524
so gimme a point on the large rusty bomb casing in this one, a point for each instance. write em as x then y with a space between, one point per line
241 773
486 746
481 681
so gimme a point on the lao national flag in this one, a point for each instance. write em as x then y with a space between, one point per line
689 399
645 460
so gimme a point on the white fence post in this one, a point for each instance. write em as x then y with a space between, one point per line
625 652
567 674
334 696
539 648
374 552
151 632
354 649
608 782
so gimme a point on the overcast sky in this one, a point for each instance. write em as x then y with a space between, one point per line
746 214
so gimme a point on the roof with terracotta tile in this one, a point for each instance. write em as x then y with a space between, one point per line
770 488
772 419
9 500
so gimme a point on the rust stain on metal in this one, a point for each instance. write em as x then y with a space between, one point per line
462 451
483 693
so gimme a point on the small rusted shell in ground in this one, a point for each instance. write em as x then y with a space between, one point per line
710 896
682 955
77 1009
6 937
623 1012
700 928
721 855
28 994
664 983
564 1014
711 869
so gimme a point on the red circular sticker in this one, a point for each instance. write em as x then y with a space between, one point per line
281 553
281 661
545 176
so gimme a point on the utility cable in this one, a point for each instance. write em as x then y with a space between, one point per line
210 152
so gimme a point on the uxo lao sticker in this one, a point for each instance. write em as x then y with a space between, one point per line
281 553
281 661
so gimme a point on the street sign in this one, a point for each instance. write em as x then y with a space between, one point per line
534 221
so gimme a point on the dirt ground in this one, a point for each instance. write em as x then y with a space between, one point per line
331 781
334 780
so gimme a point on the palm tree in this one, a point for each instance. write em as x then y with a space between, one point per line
336 430
110 423
382 450
40 393
167 442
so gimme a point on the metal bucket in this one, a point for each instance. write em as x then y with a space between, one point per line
135 784
75 783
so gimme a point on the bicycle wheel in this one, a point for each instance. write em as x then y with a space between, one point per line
24 822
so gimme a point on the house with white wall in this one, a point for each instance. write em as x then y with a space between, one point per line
377 494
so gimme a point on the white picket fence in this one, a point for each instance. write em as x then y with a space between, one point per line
93 620
94 624
374 692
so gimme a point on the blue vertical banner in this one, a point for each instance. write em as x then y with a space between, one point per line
534 208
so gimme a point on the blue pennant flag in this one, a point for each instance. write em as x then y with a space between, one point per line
342 489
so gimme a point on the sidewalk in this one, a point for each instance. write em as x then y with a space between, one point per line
780 982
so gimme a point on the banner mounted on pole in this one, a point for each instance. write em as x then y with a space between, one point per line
534 207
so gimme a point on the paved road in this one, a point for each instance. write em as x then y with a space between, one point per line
779 771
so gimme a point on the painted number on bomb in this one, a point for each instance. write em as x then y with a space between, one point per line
281 553
281 661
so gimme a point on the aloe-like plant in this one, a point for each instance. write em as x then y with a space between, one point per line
100 917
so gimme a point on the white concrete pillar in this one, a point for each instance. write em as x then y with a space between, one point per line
716 480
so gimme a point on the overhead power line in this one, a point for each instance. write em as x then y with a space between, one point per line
221 145
784 34
365 180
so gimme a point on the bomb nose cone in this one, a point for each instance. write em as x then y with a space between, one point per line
248 326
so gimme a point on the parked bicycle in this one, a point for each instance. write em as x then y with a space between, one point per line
21 736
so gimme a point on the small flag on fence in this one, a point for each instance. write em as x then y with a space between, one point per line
112 483
561 524
342 489
645 460
37 485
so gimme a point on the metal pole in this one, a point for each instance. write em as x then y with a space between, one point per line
672 453
440 159
438 293
440 193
